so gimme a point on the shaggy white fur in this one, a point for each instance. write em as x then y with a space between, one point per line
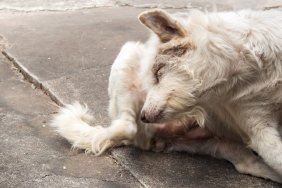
222 69
230 75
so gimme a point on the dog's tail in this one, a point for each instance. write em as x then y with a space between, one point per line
72 123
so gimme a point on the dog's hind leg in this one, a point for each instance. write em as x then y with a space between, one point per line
244 160
266 141
125 104
126 98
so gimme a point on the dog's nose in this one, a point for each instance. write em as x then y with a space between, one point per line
143 117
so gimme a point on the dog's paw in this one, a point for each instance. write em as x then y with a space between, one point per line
158 145
101 142
175 137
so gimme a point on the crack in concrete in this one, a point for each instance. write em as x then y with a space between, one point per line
46 175
2 42
155 5
117 4
15 10
34 80
111 154
272 7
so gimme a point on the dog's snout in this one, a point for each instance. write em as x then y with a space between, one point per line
150 117
143 117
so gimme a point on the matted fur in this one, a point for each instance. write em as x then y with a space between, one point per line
222 69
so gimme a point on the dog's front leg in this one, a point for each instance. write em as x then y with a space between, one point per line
266 141
244 160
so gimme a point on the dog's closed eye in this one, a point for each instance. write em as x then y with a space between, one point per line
175 51
158 71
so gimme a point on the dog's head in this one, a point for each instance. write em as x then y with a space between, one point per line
180 65
171 92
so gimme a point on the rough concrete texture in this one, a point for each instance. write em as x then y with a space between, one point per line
185 170
32 155
70 42
202 4
62 5
54 5
74 65
69 54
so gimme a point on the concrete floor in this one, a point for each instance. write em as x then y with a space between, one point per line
67 54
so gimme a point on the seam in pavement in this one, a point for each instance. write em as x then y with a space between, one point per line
112 155
117 4
141 6
34 80
16 10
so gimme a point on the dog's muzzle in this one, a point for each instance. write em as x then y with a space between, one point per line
150 117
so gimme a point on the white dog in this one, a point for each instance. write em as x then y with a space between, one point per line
222 70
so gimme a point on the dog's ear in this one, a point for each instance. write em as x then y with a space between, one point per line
161 23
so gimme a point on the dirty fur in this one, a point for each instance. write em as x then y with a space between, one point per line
222 70
230 80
